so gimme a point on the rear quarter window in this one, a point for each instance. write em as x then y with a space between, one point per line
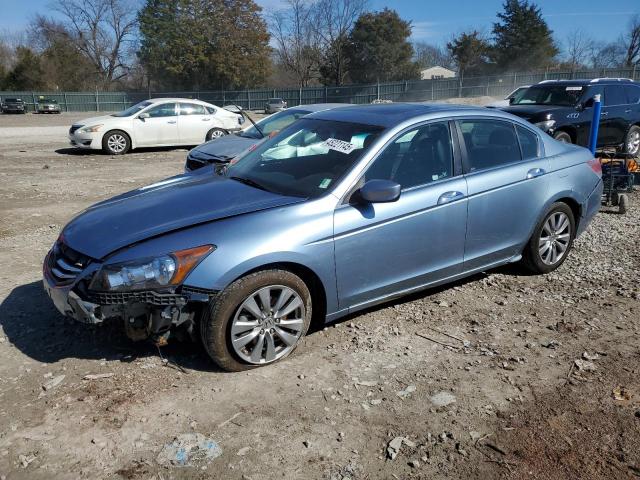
633 93
528 143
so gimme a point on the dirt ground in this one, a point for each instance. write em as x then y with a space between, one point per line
504 375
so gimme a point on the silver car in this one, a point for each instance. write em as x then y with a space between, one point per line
274 105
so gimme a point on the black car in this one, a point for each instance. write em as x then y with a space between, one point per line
564 109
13 105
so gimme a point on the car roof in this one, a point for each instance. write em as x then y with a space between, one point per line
584 82
177 99
318 107
391 114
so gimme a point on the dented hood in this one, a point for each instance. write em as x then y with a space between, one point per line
171 204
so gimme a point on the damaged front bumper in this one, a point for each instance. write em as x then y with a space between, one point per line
145 314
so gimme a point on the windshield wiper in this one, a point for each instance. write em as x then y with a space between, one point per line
251 183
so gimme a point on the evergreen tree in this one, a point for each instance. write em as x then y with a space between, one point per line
27 73
193 44
470 53
379 48
522 39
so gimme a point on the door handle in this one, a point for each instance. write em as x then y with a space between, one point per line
627 111
171 122
206 119
448 197
604 114
535 172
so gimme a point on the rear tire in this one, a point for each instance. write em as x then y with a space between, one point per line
224 312
215 133
563 137
551 241
116 142
632 141
623 204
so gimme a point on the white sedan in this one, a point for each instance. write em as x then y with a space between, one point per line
157 122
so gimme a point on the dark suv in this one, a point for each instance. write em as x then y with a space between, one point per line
564 109
13 105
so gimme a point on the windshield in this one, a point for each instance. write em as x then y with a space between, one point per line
306 159
48 100
273 123
132 110
562 95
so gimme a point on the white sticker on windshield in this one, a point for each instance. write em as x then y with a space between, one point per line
569 89
339 145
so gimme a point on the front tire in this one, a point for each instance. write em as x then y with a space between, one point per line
563 137
632 141
257 320
551 241
116 142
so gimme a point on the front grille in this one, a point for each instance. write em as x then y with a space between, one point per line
73 129
65 264
149 297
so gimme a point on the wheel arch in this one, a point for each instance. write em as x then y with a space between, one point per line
120 129
308 276
570 130
567 197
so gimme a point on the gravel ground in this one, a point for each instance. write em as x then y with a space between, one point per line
503 375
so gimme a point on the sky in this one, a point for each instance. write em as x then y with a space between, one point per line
434 21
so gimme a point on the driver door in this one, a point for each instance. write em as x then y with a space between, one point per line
387 248
159 128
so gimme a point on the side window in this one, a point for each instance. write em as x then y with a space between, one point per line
164 110
614 95
528 143
489 143
211 110
633 93
191 109
418 157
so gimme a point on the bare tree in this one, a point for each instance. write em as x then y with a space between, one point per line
578 46
297 40
333 21
605 55
631 42
427 55
102 30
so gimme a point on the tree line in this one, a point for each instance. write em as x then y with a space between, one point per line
234 44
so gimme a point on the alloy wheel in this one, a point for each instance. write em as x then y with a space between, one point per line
554 238
217 134
633 144
117 143
268 324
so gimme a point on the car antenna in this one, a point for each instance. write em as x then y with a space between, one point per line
246 115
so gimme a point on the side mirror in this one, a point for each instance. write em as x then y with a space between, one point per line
380 191
511 100
142 116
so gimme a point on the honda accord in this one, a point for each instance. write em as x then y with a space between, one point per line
339 211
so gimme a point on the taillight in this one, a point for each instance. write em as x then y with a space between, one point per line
596 166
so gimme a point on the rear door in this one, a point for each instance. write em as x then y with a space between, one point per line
613 121
160 128
507 177
193 123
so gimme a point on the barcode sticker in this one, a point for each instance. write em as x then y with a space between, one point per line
339 145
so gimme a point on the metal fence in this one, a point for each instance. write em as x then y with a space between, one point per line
407 91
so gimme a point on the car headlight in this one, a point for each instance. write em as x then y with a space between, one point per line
149 273
91 129
546 125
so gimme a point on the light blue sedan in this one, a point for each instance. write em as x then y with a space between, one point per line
341 210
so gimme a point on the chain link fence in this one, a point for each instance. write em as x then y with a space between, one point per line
405 91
